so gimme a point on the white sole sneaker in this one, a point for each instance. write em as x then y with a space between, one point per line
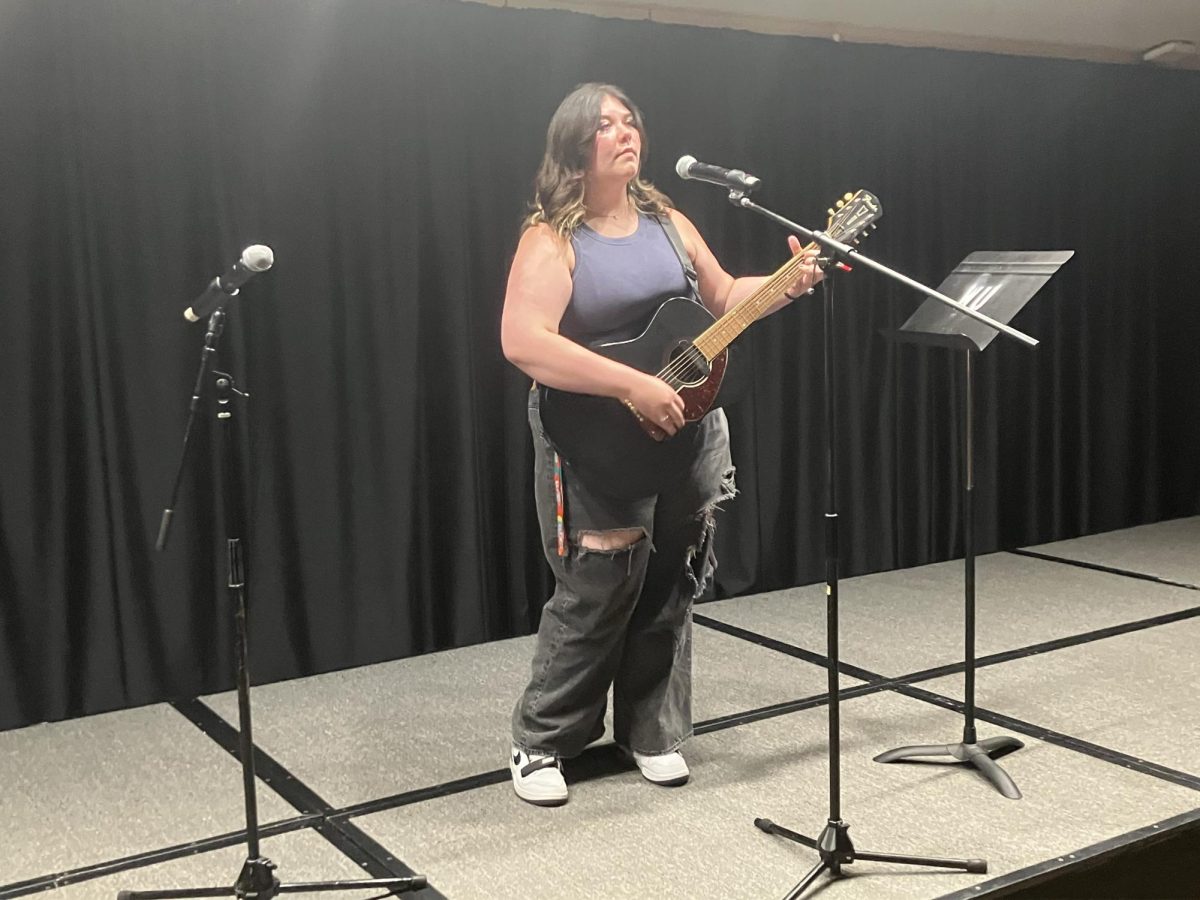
537 779
665 769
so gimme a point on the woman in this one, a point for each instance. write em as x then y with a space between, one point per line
595 257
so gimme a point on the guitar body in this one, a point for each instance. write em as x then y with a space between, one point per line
601 438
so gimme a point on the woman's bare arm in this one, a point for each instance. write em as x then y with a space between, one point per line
539 289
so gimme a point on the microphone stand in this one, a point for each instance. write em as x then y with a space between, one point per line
833 844
256 879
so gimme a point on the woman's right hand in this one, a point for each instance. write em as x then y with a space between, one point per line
658 405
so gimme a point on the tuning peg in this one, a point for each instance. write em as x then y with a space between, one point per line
848 197
829 211
841 203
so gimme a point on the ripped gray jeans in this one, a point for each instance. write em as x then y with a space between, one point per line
621 617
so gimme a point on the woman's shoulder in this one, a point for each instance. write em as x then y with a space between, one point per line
541 241
686 229
679 219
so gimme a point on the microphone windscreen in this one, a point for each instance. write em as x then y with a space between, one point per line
685 163
258 258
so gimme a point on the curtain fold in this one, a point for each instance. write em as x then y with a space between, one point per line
386 150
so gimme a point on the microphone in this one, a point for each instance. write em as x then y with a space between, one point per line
255 259
689 167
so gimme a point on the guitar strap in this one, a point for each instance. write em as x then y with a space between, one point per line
676 240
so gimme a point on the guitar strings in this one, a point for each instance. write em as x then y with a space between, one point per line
767 293
770 291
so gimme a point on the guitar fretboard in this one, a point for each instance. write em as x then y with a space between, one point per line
722 332
855 213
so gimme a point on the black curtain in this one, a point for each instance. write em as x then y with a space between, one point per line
385 149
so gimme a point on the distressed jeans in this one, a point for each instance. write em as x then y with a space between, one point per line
621 617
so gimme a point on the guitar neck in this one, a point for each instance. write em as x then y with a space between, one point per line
855 213
722 332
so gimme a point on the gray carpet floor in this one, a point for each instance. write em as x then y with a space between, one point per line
620 836
1123 754
88 790
1169 549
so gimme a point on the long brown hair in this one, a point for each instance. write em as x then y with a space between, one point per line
559 185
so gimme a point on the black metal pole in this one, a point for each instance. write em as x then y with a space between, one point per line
968 513
969 750
234 516
831 561
212 337
847 254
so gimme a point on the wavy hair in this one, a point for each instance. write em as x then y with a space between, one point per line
558 187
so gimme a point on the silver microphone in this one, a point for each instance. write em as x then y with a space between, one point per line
689 168
255 259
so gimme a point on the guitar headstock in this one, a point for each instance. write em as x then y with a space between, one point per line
854 215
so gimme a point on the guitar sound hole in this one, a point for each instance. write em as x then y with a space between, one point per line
687 365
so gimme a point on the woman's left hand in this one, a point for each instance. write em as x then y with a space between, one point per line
810 272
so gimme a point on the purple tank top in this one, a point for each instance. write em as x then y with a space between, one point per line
619 282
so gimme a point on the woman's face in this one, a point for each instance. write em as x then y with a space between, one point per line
617 150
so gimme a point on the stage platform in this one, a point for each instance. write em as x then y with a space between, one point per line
1087 654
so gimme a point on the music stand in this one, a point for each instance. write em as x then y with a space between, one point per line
998 284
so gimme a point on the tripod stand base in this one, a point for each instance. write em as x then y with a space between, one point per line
257 881
978 755
837 850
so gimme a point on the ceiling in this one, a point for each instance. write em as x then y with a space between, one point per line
1104 30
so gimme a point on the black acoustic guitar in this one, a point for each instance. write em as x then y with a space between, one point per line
685 346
